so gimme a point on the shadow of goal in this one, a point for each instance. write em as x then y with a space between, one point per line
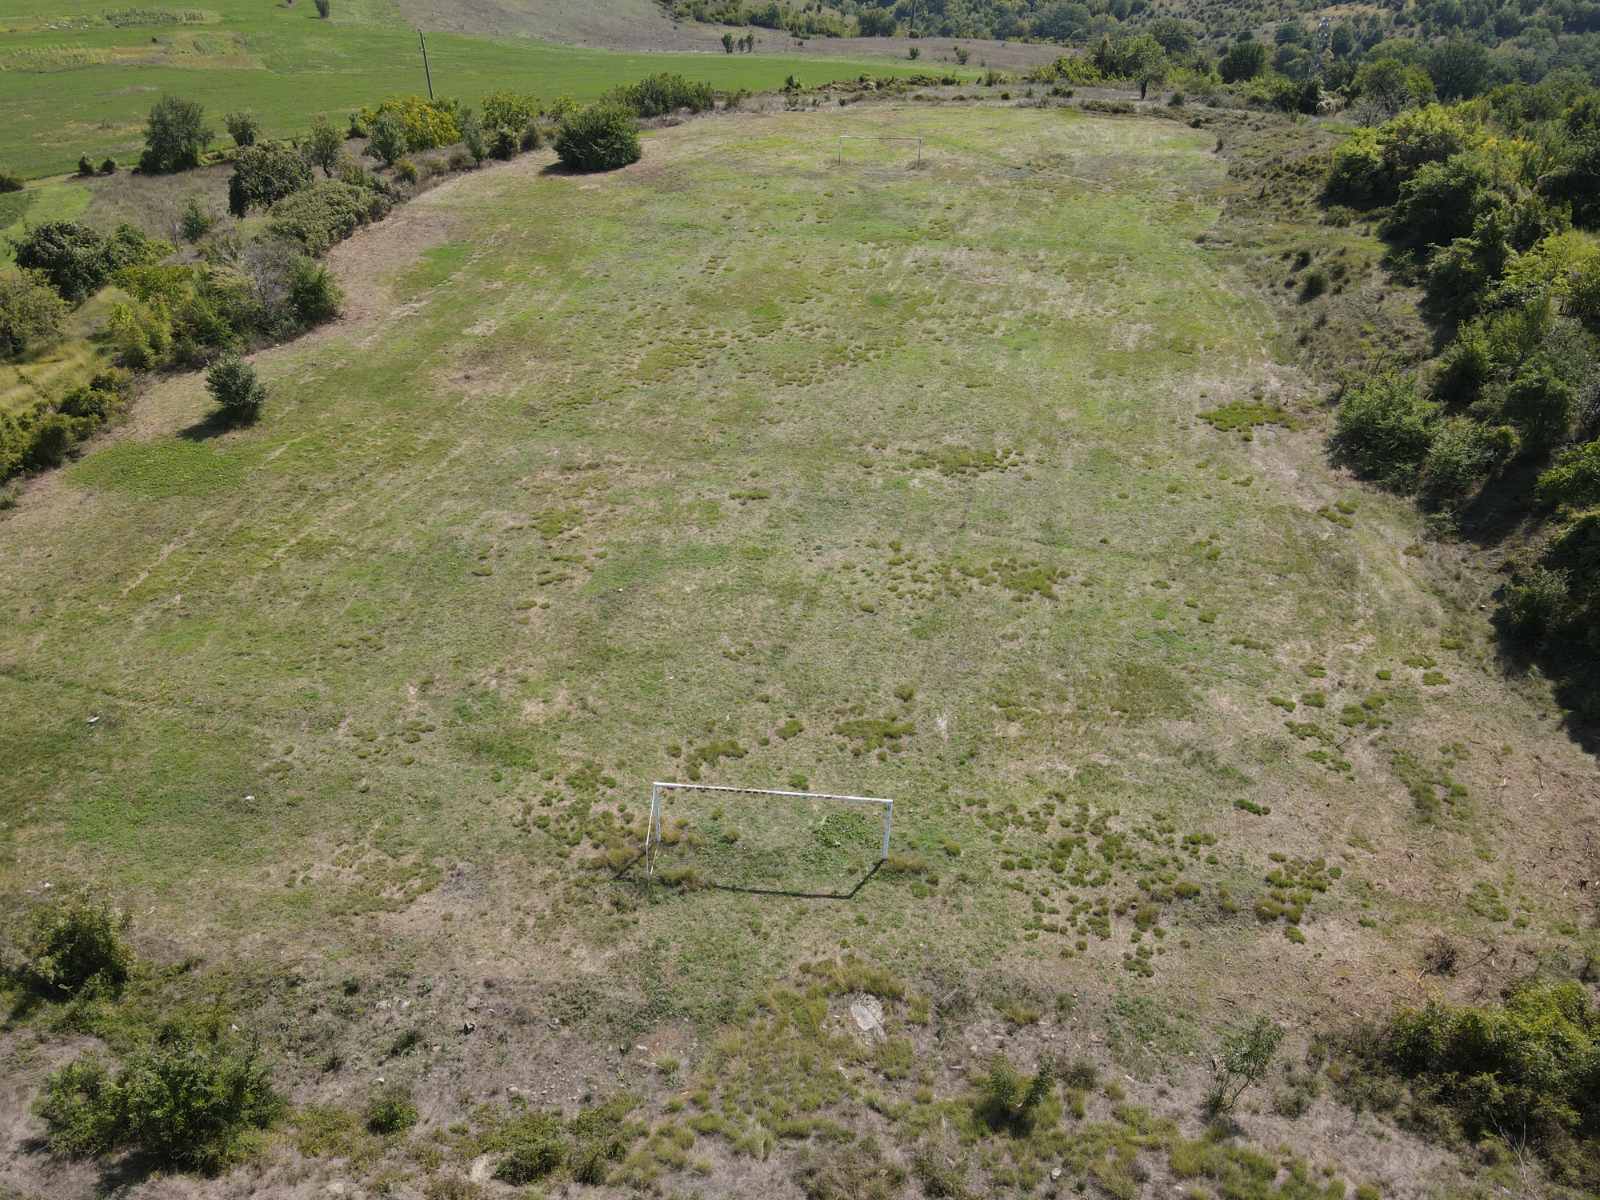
764 840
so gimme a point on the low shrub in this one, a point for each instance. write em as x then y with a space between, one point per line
233 384
1530 1065
532 137
188 1102
601 137
85 166
1006 1101
243 128
419 123
76 946
1574 480
472 137
314 294
10 181
324 214
405 170
1533 604
108 167
195 222
535 1147
265 174
31 313
509 110
391 1110
1383 429
504 143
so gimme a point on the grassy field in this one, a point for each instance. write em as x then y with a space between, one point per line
977 486
71 83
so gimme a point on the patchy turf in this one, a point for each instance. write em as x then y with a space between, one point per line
744 464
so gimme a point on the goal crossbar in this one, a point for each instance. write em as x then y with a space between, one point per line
652 835
869 137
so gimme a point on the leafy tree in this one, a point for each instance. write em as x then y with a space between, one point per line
1244 60
265 174
727 43
1391 86
10 181
1244 1058
388 142
243 128
1063 22
233 385
1460 69
1175 35
870 22
601 137
1146 62
175 136
324 146
31 313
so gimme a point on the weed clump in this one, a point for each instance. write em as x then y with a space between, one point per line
391 1110
1009 1103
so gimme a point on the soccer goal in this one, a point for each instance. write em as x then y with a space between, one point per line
860 137
766 839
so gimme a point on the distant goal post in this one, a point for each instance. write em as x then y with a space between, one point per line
660 790
864 137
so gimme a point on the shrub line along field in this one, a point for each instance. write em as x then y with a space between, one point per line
977 485
64 91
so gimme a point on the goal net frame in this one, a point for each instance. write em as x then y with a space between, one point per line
660 788
867 137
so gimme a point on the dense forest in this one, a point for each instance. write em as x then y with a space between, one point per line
1513 40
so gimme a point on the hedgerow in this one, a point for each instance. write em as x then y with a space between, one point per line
324 214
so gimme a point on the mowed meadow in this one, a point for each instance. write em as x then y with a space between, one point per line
78 76
774 460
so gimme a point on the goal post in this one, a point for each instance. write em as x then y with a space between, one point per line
661 790
866 137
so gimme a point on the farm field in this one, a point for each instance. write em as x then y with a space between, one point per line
771 461
74 82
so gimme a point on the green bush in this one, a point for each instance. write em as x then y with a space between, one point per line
324 214
406 171
233 385
76 945
264 174
472 137
1460 455
1441 201
1574 479
1007 1101
10 181
504 143
31 313
1530 1065
1533 603
175 136
535 1146
388 138
658 95
314 294
325 146
187 1102
195 222
1243 61
108 167
391 1110
243 128
422 124
1539 403
77 260
509 110
601 137
85 166
1383 429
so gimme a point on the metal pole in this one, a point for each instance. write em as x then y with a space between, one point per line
888 825
650 832
425 70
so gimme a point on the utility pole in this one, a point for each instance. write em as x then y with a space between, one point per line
425 69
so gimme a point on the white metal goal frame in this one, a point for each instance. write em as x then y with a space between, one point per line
658 789
868 137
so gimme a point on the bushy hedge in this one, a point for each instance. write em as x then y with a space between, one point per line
601 137
324 214
657 95
264 174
